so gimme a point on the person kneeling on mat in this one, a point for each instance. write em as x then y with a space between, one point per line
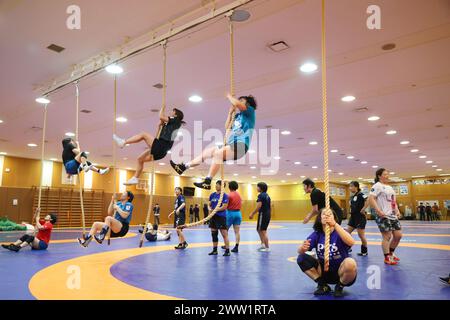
219 220
119 223
39 241
342 269
153 233
74 160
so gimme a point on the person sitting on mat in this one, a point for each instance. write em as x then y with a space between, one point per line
219 220
237 145
119 223
39 241
74 160
180 217
342 269
157 147
153 233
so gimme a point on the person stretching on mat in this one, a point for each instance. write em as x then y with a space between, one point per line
263 208
382 199
234 215
74 160
237 143
119 223
39 241
153 233
180 217
157 147
358 205
342 269
219 220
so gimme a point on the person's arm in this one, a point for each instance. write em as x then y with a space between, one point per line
39 226
366 204
343 234
304 247
236 103
111 205
374 205
181 207
123 213
314 212
162 117
77 149
258 207
223 207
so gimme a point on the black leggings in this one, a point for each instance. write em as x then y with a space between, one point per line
27 238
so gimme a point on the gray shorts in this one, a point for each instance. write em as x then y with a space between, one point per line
385 224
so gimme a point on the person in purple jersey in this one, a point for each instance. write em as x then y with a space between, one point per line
342 269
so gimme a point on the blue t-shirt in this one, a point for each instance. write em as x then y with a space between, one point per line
264 198
338 249
214 200
242 128
178 202
128 207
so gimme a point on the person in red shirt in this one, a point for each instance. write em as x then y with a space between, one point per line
234 215
39 241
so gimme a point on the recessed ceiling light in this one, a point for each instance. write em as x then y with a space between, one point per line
162 164
374 167
414 150
87 152
315 179
422 157
341 173
302 177
438 169
53 159
404 142
285 133
3 153
32 145
1 121
363 162
195 98
391 132
434 166
308 67
418 176
157 171
348 98
350 157
169 152
313 143
70 134
283 181
392 172
253 177
429 162
334 151
314 167
360 178
253 167
42 100
297 163
272 171
289 174
277 157
121 119
235 174
373 118
114 69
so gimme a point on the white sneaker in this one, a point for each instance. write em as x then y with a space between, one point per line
132 181
87 167
119 141
264 250
103 171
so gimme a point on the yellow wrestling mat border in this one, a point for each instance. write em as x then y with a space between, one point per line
97 282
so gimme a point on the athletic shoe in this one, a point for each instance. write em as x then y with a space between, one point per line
322 290
103 171
87 167
205 184
6 246
213 253
350 250
227 253
235 249
362 254
388 260
338 291
99 238
84 241
119 141
445 280
179 168
264 250
223 247
179 246
184 245
132 181
395 258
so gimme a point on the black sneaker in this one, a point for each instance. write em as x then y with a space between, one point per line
179 246
350 250
6 246
223 247
445 280
14 248
226 253
213 253
235 249
205 184
362 254
179 168
322 290
84 241
338 291
99 238
184 245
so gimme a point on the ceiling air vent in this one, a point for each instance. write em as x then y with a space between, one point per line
154 110
85 111
56 48
34 128
106 156
278 46
383 126
361 109
388 46
158 86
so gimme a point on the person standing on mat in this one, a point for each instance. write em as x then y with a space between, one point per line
421 209
157 148
118 219
318 201
382 199
196 213
342 269
263 207
39 241
156 213
234 215
219 220
191 213
180 217
428 212
358 220
237 144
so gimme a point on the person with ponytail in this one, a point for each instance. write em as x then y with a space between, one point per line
382 199
358 205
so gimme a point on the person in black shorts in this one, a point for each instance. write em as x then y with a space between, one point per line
219 220
75 160
157 147
263 204
237 142
358 205
318 201
180 217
